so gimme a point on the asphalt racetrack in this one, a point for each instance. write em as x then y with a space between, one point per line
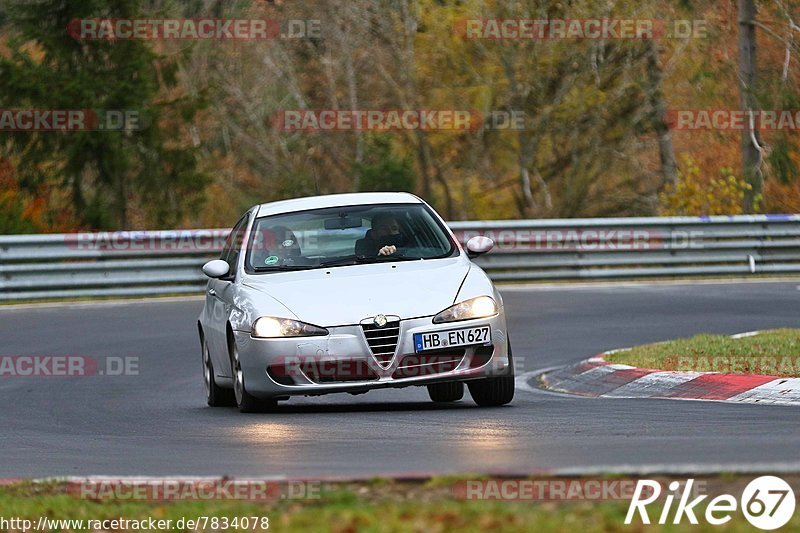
156 422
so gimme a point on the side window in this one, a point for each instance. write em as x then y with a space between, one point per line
233 244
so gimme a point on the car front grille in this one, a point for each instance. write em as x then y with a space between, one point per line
382 341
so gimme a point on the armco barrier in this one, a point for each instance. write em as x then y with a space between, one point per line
168 262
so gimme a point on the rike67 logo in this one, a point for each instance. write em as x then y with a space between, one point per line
767 502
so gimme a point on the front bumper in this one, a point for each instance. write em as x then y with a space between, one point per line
343 362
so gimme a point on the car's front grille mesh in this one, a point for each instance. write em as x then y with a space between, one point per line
382 341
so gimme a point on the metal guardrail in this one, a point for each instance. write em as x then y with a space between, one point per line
168 262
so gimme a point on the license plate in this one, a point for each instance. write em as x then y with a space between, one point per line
448 339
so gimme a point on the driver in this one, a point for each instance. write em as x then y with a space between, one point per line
383 238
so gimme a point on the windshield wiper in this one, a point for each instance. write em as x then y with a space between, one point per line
362 259
344 261
389 258
284 268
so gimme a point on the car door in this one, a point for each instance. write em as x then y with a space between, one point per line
219 297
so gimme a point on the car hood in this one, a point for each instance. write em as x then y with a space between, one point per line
347 295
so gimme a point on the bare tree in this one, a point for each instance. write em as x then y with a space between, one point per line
751 143
666 152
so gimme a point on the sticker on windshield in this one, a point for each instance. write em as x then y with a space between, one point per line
271 260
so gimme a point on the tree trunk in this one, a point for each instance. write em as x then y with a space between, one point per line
352 89
527 205
669 168
122 202
425 164
751 142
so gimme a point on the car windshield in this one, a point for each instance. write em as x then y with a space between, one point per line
340 236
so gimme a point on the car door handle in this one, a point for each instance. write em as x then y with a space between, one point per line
212 292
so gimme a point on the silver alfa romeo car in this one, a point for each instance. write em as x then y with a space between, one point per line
347 293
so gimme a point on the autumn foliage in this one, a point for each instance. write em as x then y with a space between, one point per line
594 143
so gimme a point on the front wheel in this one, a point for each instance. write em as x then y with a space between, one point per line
246 402
446 392
491 392
216 396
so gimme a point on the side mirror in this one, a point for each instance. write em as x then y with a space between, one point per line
216 268
479 245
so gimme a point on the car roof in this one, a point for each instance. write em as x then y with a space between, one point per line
336 200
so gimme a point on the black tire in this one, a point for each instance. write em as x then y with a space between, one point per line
446 392
246 402
216 396
491 392
494 391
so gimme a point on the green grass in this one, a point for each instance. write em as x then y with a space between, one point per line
774 352
387 506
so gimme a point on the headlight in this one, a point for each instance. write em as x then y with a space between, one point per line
268 327
480 307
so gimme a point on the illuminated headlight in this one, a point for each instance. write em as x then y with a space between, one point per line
480 307
268 327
